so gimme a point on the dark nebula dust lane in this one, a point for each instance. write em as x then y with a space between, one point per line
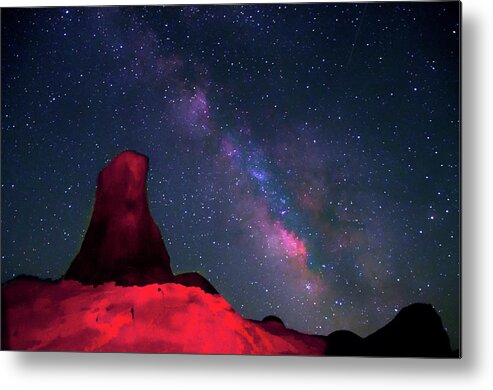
303 158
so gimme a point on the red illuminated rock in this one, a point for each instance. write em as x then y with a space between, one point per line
156 318
123 243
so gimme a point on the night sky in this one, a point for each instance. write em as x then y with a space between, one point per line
303 158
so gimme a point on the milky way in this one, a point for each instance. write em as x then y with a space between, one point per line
303 158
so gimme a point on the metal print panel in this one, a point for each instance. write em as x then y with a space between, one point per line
277 179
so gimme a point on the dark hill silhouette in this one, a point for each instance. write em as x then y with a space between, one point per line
345 343
416 331
272 318
194 279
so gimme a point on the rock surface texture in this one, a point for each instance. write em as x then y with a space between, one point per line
123 243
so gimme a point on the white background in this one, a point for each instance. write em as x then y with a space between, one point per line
473 371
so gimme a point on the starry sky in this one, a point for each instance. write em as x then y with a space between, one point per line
303 158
